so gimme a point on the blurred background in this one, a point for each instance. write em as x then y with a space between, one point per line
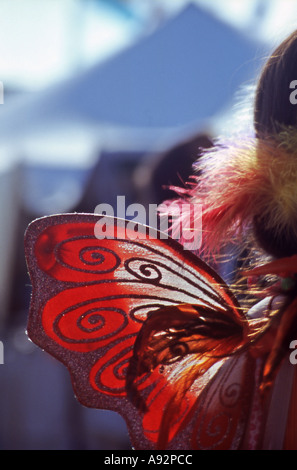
105 98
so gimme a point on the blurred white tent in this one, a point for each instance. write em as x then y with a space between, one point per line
178 77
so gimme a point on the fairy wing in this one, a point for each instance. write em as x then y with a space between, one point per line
107 293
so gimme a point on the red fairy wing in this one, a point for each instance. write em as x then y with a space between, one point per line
91 298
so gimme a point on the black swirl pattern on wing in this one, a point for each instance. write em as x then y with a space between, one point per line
96 259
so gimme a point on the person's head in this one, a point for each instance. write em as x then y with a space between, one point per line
274 112
247 184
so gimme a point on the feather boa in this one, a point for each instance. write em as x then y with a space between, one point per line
236 182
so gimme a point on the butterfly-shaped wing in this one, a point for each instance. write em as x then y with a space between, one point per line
124 307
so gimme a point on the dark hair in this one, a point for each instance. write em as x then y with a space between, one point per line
272 111
273 108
